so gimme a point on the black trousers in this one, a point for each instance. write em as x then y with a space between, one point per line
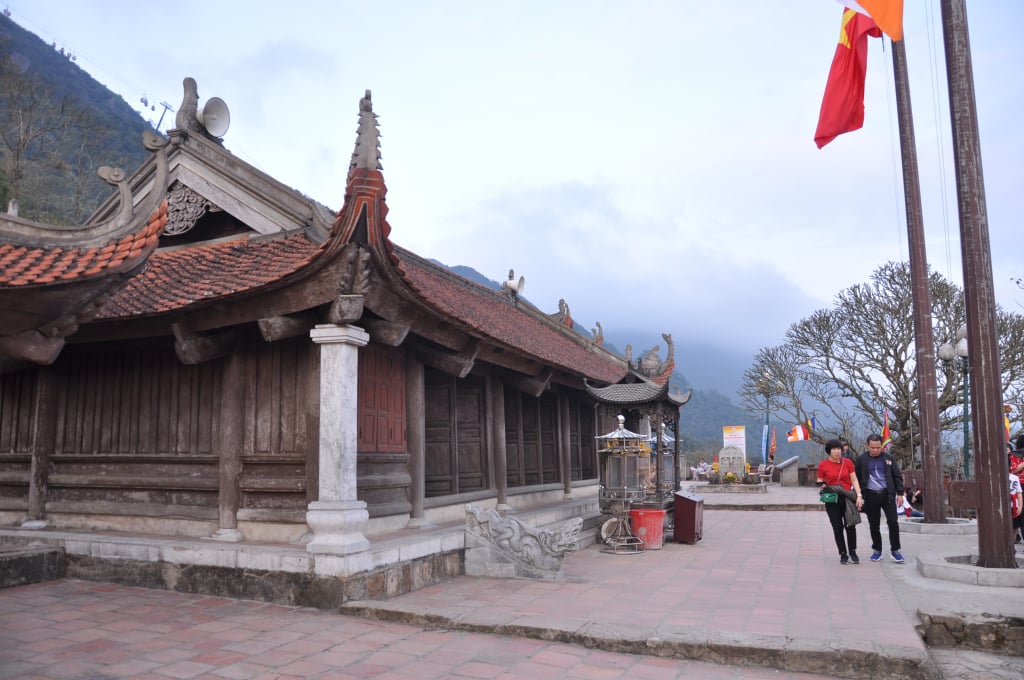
837 518
875 503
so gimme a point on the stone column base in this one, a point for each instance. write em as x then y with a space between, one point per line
337 527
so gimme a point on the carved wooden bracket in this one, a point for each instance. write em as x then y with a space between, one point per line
389 333
458 365
280 327
32 346
533 386
194 349
345 309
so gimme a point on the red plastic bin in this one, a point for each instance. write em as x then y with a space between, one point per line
649 526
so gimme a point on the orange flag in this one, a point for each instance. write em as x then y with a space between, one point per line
842 108
888 14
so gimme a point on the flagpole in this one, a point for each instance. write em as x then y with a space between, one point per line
927 397
995 545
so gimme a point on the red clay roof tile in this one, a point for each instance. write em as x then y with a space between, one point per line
175 279
22 266
492 315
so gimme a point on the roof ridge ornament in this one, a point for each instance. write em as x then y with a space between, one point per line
210 122
367 152
563 315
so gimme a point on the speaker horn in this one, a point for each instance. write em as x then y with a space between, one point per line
214 116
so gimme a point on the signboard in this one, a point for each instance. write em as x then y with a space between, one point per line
735 436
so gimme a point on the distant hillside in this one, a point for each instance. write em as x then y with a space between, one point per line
708 410
43 80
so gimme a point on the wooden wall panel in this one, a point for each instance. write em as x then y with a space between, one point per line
381 411
531 441
581 441
549 438
110 400
439 434
514 472
471 434
17 401
276 424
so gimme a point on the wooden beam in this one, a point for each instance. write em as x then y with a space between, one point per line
422 322
533 386
456 364
389 333
275 328
511 360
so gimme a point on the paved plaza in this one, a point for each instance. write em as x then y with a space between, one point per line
763 595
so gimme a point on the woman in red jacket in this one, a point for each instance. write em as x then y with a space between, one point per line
839 474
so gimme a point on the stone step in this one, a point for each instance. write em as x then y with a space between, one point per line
21 565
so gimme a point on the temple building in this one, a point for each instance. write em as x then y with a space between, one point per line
216 355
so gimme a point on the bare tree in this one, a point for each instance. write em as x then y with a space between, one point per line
848 364
37 126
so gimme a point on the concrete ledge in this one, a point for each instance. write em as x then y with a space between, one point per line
953 526
988 632
833 658
733 488
963 569
22 565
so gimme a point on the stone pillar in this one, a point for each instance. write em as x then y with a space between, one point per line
498 444
565 446
416 439
337 519
232 426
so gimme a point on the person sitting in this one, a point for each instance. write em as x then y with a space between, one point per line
903 505
700 470
917 498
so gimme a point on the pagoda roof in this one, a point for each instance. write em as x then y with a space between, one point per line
278 253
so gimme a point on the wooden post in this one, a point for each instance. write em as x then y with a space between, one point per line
566 444
415 439
43 443
995 542
498 443
924 340
232 426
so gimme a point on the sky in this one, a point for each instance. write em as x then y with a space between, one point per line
652 163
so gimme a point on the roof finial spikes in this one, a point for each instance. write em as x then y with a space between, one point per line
367 151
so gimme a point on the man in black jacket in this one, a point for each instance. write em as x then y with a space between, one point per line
882 483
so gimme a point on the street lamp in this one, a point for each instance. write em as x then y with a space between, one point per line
957 355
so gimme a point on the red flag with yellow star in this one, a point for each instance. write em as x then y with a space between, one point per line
842 107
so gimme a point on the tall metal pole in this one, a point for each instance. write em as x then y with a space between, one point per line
995 543
927 397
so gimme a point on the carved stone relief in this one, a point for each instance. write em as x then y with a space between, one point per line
500 545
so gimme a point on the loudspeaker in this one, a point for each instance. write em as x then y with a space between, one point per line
214 116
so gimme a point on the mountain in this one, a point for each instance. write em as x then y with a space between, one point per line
59 126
